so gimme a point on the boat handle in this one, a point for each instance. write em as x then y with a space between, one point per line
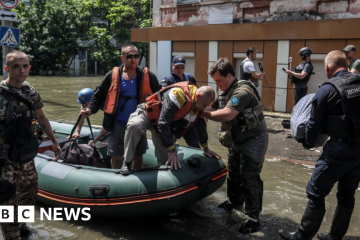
205 181
99 189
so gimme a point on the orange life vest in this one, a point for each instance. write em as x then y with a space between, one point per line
112 97
153 105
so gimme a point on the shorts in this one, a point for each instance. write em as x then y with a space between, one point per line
116 142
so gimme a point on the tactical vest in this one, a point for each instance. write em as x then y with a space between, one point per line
248 119
12 109
298 69
244 75
247 76
346 126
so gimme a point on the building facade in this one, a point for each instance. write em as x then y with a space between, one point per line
204 30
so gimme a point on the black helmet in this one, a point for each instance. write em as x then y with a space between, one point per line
305 51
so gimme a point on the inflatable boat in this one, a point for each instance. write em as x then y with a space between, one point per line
153 190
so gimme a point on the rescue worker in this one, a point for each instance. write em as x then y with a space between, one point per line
84 97
354 63
244 132
335 112
121 91
300 76
177 111
20 108
178 75
247 68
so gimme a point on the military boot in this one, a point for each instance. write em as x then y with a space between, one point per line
253 194
235 194
340 224
310 224
27 232
126 168
250 224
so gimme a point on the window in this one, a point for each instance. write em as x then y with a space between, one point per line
179 2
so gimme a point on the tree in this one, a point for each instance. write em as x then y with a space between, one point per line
50 31
110 24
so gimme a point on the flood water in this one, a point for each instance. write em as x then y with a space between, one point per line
284 190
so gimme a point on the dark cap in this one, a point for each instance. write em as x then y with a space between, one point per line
179 60
349 48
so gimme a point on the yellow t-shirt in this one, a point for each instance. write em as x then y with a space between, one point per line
177 96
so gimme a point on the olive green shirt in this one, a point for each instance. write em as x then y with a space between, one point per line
355 64
240 100
36 99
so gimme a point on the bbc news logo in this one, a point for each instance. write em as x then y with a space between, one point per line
27 214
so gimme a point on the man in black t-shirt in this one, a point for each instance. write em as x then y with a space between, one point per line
300 76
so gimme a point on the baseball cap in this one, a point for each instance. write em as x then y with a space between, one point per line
349 48
179 60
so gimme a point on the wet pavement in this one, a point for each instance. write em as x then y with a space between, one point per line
282 145
284 188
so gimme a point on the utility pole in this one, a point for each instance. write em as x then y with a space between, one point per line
6 49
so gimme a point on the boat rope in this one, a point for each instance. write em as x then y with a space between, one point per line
155 168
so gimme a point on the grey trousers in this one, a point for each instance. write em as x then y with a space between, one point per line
136 127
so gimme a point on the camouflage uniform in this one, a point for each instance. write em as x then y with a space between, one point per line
25 179
246 138
23 176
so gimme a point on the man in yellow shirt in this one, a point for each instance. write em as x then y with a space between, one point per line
179 109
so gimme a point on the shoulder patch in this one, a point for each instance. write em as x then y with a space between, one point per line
163 80
235 100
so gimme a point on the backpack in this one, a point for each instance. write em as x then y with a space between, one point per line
300 116
82 154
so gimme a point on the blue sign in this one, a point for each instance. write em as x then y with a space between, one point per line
9 36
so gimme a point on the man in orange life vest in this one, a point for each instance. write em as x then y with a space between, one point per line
179 109
121 91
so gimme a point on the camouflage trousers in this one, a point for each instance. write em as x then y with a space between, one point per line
25 179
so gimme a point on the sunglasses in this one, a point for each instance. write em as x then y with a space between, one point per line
130 56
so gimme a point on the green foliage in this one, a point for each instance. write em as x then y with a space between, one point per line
50 31
113 20
53 31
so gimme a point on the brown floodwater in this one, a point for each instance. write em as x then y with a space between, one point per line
284 189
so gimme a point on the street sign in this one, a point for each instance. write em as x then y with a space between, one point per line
9 4
9 36
8 16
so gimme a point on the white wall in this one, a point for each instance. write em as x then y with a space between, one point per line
213 57
163 59
281 77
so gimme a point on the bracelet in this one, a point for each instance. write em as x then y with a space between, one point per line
203 146
171 149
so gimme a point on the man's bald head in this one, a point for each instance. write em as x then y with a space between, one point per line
335 61
204 97
207 93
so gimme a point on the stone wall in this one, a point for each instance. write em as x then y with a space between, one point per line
196 12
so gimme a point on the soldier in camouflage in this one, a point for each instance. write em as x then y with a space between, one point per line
20 107
244 132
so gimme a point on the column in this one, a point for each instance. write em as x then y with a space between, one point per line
213 57
281 77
